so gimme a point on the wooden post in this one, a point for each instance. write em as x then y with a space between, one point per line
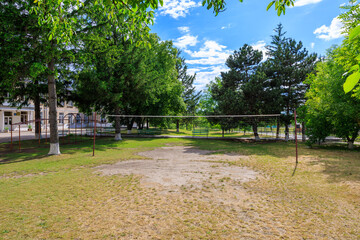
296 143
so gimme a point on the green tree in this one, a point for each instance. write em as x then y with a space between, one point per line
349 53
290 63
61 21
329 110
131 80
243 89
190 95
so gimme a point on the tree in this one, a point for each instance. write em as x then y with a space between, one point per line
136 80
60 21
244 88
190 96
329 109
349 53
290 64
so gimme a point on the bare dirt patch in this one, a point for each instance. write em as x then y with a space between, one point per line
182 166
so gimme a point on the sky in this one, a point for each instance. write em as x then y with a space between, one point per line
207 40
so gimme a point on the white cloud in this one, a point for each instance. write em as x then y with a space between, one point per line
208 62
177 8
227 26
312 45
186 40
261 46
205 75
211 53
300 3
184 29
330 32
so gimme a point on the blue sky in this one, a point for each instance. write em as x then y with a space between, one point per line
206 41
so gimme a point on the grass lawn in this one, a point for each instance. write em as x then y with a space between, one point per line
63 196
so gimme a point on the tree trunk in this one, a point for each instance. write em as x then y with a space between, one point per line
54 137
37 115
350 144
286 132
177 126
255 130
303 136
278 129
147 124
223 132
117 125
130 125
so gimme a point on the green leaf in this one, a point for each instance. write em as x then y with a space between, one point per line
354 68
354 33
351 81
270 5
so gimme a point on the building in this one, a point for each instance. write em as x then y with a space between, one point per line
67 114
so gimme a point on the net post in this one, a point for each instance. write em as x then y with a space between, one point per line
19 139
39 127
75 128
11 135
296 143
46 130
81 122
94 135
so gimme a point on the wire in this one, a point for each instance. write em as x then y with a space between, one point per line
210 116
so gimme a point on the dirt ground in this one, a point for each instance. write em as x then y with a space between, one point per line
179 166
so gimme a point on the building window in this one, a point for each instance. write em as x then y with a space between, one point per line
70 118
61 118
8 114
78 118
24 117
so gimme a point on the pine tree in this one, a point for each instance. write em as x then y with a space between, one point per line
290 63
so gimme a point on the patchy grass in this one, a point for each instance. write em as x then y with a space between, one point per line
52 197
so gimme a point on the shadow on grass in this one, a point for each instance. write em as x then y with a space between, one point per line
31 150
339 163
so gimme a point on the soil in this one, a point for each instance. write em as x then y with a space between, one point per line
182 166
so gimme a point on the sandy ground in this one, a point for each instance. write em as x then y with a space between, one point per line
181 166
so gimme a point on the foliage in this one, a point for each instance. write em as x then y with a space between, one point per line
219 5
329 110
349 53
241 90
131 80
289 64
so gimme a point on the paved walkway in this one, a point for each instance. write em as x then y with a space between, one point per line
25 135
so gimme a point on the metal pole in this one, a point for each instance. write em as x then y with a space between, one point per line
68 129
39 124
81 131
63 135
19 140
46 130
11 135
296 143
75 128
94 135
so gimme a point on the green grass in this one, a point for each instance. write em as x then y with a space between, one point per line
50 197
